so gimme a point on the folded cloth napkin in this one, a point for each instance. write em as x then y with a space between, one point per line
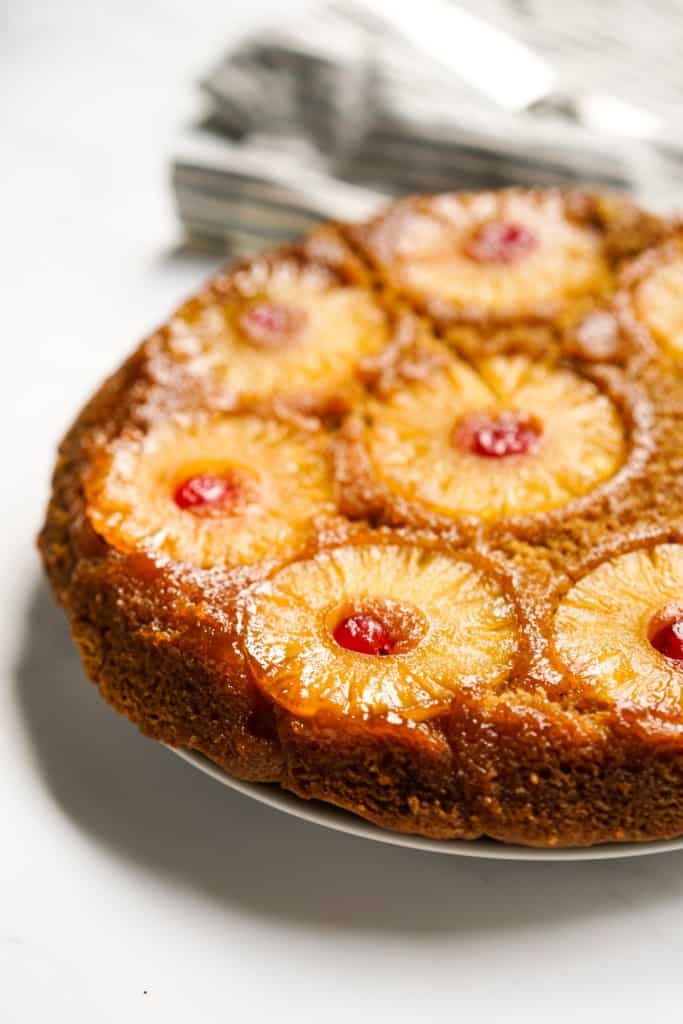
327 115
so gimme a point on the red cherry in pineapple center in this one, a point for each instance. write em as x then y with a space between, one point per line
668 639
500 242
211 495
365 634
270 324
498 437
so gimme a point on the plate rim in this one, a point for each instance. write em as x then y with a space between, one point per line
336 819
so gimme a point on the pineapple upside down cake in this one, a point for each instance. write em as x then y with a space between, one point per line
393 518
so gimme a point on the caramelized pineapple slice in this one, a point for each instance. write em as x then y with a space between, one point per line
514 438
658 302
282 327
505 256
378 630
212 491
620 628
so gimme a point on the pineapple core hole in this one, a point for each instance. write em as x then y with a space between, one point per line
270 325
500 242
377 626
665 632
498 435
229 492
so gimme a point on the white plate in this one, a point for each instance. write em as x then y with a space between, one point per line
342 821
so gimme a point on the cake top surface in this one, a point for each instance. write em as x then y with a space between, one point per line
427 460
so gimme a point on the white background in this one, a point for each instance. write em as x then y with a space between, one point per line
132 888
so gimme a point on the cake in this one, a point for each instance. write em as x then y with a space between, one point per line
392 518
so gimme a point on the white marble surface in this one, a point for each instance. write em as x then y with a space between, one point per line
132 888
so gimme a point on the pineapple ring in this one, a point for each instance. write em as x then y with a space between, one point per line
327 328
130 495
417 455
468 638
658 303
430 250
603 628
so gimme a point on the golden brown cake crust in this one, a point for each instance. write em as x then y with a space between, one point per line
542 756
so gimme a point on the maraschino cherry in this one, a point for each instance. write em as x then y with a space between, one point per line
497 437
668 640
207 494
500 242
270 324
364 634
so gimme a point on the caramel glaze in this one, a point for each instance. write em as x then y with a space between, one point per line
539 759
